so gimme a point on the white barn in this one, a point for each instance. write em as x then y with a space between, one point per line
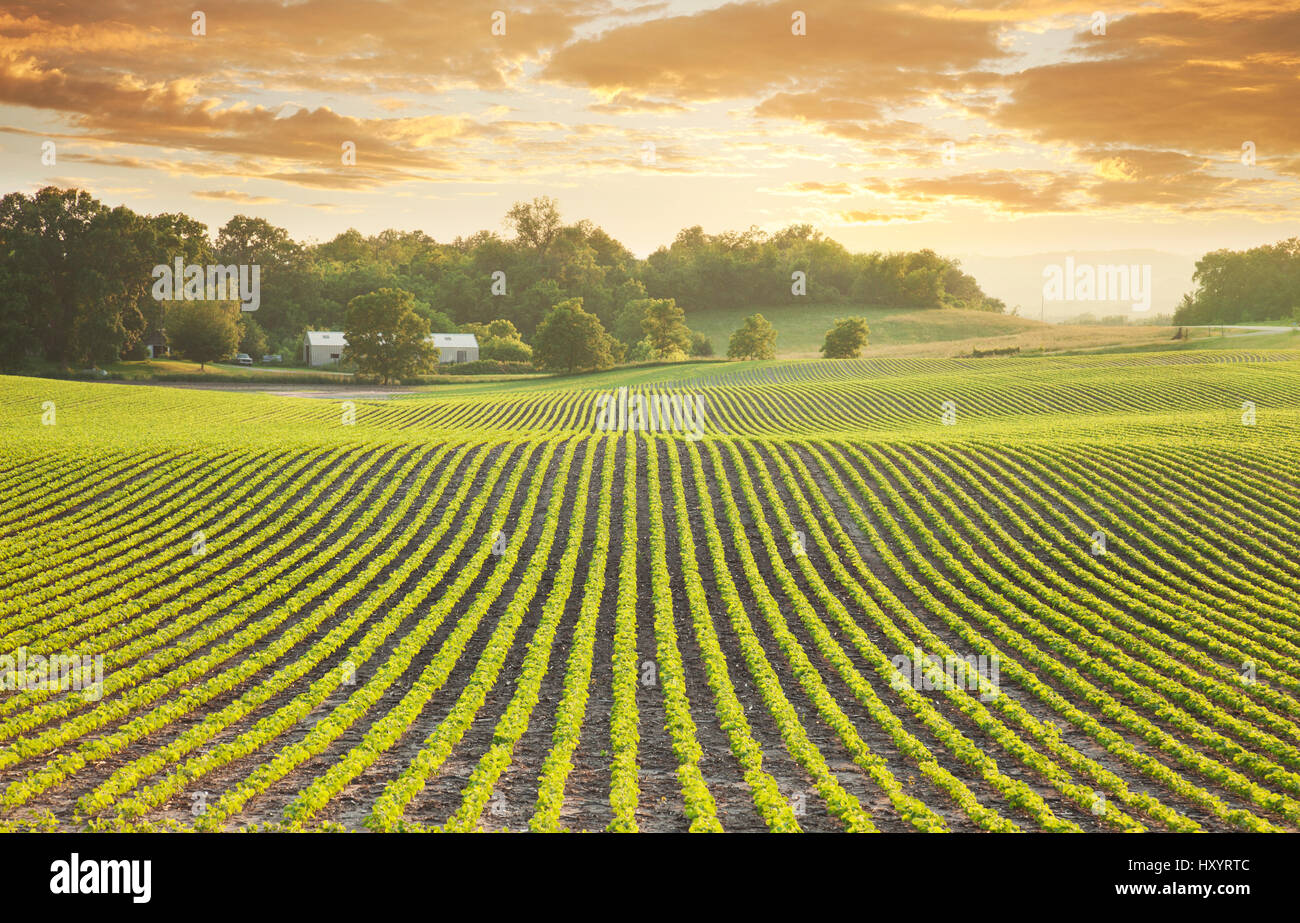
455 347
321 347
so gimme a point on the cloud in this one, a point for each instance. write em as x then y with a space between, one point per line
1019 191
1047 118
629 103
743 50
861 217
417 43
1199 82
241 197
132 73
817 188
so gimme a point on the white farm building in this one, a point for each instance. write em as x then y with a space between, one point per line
455 347
321 347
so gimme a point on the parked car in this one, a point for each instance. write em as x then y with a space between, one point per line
275 359
244 359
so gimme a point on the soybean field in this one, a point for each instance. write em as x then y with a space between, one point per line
1017 594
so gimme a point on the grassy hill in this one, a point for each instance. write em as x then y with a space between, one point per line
936 332
176 369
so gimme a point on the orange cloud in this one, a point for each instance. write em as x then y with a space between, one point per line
1018 191
241 197
1048 118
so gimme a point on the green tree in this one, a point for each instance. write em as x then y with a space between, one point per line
569 339
1232 287
505 350
754 339
664 326
499 340
639 351
203 331
386 337
76 275
701 345
292 283
252 338
536 301
536 224
626 324
846 339
245 240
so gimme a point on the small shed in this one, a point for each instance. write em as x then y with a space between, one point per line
155 344
321 347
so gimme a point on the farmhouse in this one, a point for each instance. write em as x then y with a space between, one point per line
321 347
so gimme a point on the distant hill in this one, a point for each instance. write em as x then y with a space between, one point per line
900 331
801 329
1018 280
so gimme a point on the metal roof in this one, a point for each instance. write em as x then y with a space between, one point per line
326 338
454 340
441 340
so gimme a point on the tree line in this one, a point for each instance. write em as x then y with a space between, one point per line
76 283
1242 286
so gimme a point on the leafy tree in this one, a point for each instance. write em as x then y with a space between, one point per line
1232 286
347 247
701 345
846 339
174 235
291 281
41 239
499 340
505 350
754 339
639 351
248 240
438 321
386 337
569 339
536 301
18 341
664 326
76 275
627 321
536 224
252 338
203 331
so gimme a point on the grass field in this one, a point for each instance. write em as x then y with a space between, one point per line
183 369
897 594
802 329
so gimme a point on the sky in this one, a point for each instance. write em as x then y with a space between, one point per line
1000 128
